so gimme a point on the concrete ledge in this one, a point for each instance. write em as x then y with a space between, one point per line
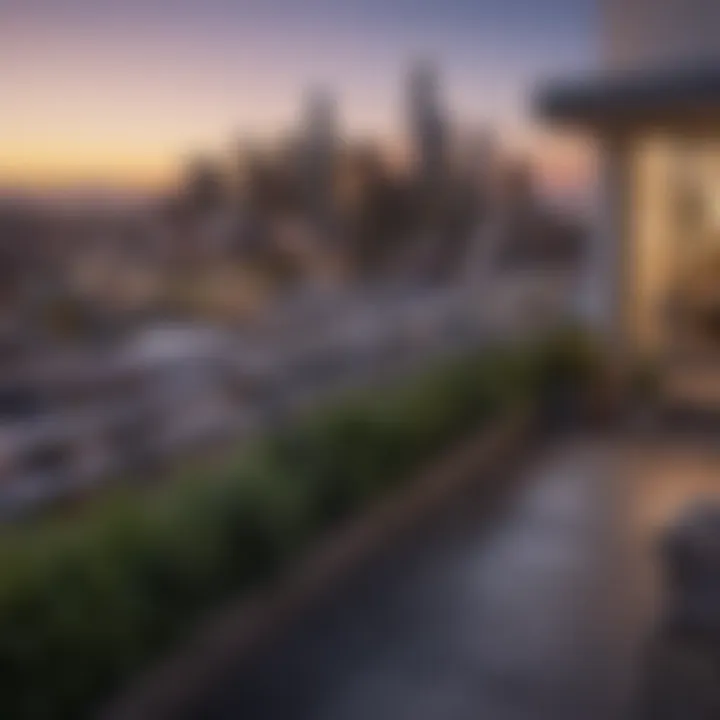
244 625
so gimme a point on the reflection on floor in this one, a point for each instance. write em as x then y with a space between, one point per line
536 609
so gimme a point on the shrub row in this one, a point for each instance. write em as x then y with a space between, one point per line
87 601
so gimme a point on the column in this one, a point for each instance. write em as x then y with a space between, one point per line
602 292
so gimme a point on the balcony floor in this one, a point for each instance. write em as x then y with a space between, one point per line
536 607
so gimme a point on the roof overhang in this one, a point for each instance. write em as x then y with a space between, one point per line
671 98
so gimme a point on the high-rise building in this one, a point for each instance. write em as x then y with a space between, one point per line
319 145
204 184
427 123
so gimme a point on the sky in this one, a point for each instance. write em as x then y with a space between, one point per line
120 91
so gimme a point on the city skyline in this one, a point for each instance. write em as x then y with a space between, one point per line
121 95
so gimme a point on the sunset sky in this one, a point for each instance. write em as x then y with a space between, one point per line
120 91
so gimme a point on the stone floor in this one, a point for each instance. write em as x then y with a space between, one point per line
533 606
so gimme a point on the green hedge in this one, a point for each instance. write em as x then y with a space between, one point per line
89 600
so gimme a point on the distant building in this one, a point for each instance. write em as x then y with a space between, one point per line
427 122
477 158
205 186
318 161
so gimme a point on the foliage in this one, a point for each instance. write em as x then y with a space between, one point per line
646 380
88 601
569 358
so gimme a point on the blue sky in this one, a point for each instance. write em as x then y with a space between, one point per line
128 85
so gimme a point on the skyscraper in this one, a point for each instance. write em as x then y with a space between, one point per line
204 185
427 124
319 146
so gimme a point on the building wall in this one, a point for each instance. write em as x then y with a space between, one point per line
643 34
634 249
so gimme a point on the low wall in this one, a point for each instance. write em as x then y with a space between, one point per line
242 627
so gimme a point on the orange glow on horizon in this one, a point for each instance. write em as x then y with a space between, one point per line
559 163
37 174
